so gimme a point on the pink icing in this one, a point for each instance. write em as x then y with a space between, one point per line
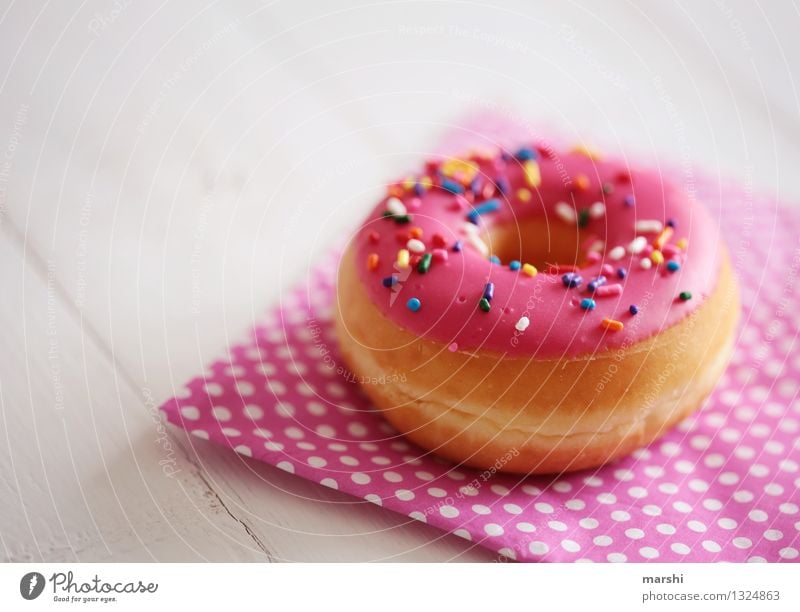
450 291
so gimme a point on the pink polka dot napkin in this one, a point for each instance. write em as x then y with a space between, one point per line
722 486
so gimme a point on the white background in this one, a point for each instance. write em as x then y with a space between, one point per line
151 155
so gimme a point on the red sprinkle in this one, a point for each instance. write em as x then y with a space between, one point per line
374 237
372 261
439 254
439 241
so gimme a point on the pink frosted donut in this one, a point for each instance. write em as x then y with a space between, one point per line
556 309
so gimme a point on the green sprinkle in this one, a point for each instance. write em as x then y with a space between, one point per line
484 305
425 263
583 217
685 296
608 188
401 219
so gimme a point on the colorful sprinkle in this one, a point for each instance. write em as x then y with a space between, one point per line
532 174
415 232
502 184
372 261
451 186
457 246
403 257
414 304
495 260
612 325
596 282
415 246
571 280
588 151
607 269
629 200
484 305
597 210
529 269
523 194
425 263
617 253
672 223
401 219
566 212
622 272
582 182
390 281
453 347
588 304
663 238
608 290
685 296
637 245
439 241
649 226
522 324
682 244
634 309
646 263
488 291
482 209
583 217
514 265
607 188
673 266
657 257
396 207
525 153
374 237
440 255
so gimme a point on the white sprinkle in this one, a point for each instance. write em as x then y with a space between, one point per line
395 206
638 245
598 246
522 324
566 212
616 253
469 228
597 210
415 246
649 226
646 263
479 244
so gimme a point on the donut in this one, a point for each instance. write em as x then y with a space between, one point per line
536 310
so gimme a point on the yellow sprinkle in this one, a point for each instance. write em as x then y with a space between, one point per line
532 173
524 194
588 151
612 325
682 244
529 270
409 183
461 169
657 257
372 261
402 258
426 182
663 238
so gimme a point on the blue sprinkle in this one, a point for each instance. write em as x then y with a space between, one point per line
672 223
525 153
457 246
502 185
629 201
389 281
588 304
451 186
673 266
414 304
600 280
488 291
634 309
515 265
622 273
571 279
495 259
480 209
419 189
475 185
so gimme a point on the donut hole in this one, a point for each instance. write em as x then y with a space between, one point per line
537 241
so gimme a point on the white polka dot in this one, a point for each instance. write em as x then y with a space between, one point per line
623 475
742 542
788 553
670 449
648 552
373 498
379 460
404 495
743 497
593 481
325 431
348 460
507 552
463 533
727 523
357 430
330 483
714 460
652 510
789 508
634 533
499 490
242 449
526 527
712 504
616 558
317 462
589 523
575 504
200 433
360 478
437 492
570 545
493 529
759 470
392 477
679 548
602 540
637 492
620 516
295 433
512 508
262 433
273 446
665 528
773 535
214 389
557 525
773 488
231 432
669 488
481 509
543 507
221 413
538 548
418 516
684 467
286 466
607 498
253 412
190 412
426 476
449 511
758 516
562 486
698 486
316 408
711 546
531 490
654 471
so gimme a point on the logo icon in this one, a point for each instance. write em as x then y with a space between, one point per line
31 585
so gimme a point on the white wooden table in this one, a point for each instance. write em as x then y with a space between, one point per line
150 155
